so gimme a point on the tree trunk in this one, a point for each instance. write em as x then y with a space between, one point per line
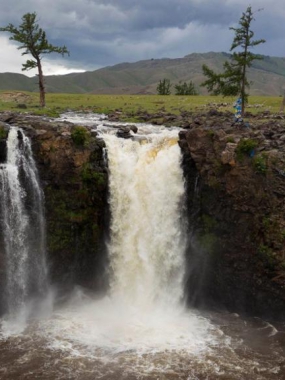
283 102
41 84
246 44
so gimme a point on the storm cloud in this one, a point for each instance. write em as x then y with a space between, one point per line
101 33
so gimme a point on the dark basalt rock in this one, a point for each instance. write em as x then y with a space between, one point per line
124 132
237 251
3 151
4 130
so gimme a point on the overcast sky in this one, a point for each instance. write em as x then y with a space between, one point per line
101 33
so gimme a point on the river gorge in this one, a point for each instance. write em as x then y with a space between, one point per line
134 251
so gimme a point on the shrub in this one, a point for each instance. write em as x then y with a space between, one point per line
3 133
259 163
89 175
80 136
245 147
185 88
267 257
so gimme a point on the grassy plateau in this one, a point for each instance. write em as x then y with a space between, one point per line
129 105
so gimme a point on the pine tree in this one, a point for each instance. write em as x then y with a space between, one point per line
33 40
163 87
185 89
233 81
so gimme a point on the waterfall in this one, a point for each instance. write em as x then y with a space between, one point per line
140 329
147 240
22 225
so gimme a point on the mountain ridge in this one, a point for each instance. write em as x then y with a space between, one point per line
141 77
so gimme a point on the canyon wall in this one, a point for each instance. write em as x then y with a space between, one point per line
235 182
235 178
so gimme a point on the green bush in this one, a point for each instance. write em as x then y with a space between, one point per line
259 163
266 255
89 175
245 147
80 136
3 133
185 88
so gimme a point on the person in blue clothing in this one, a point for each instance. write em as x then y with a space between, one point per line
237 107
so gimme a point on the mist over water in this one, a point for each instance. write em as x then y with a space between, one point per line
141 328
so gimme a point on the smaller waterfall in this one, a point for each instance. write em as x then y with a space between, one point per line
22 225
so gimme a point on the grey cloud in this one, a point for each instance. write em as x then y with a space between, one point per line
105 32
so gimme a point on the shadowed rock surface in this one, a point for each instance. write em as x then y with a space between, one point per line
236 189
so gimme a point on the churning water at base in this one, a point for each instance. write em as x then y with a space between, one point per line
141 330
23 227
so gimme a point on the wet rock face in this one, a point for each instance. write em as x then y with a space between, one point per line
3 151
75 185
4 129
236 189
74 180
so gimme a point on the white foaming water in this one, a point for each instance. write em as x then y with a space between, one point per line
146 200
23 228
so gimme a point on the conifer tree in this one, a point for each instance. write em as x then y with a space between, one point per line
163 87
34 42
233 81
185 88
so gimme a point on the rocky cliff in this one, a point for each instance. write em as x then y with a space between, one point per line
235 176
74 180
236 203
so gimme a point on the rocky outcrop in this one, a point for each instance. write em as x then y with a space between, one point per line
74 180
236 191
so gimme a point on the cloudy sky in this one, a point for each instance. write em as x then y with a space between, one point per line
101 33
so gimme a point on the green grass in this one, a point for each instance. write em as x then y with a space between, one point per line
128 104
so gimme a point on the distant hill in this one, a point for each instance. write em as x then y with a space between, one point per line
142 77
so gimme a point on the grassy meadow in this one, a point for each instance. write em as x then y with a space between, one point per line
129 105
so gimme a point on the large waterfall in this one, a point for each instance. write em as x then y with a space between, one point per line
143 312
22 225
140 329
